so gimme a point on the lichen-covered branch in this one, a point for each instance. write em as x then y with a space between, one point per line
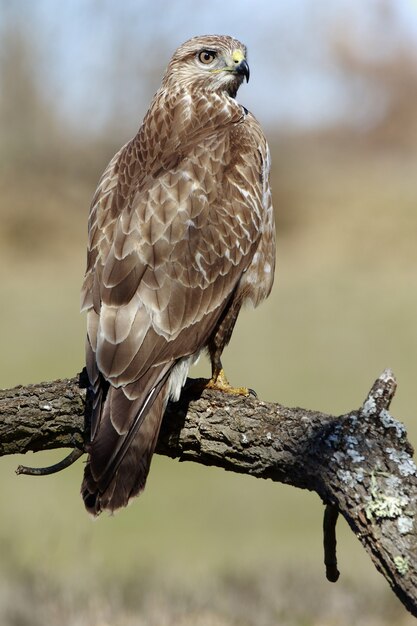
359 463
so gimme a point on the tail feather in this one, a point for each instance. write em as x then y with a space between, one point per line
118 464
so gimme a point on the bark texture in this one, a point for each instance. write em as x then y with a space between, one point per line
360 464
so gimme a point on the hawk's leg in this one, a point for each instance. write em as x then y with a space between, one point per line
218 341
219 382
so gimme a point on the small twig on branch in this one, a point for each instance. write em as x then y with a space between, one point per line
381 394
73 456
361 463
331 514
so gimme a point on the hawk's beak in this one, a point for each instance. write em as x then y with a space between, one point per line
240 65
243 69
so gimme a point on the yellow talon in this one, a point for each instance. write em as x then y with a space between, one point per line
219 382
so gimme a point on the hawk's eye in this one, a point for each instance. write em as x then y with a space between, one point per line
206 56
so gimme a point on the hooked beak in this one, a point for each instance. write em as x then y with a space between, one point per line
243 69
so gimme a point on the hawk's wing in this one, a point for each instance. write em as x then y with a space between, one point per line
166 251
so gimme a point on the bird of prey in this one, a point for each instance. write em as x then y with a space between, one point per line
181 234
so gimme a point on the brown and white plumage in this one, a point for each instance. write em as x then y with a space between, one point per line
181 234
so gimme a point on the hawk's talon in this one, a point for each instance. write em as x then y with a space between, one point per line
219 382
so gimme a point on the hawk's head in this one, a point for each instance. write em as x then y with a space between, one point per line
210 62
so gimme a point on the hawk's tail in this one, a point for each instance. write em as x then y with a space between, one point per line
118 465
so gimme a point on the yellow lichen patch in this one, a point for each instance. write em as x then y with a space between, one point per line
402 563
383 505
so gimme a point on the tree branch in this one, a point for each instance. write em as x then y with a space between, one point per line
360 464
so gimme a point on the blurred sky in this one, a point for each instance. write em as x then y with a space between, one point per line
295 79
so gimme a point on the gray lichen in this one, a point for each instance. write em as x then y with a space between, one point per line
351 442
346 477
393 482
350 478
333 440
339 457
405 463
359 474
389 422
355 456
369 408
405 525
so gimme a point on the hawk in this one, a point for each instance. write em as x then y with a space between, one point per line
181 235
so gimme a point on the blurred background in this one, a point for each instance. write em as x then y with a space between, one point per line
334 84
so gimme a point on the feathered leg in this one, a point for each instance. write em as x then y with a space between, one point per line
218 341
